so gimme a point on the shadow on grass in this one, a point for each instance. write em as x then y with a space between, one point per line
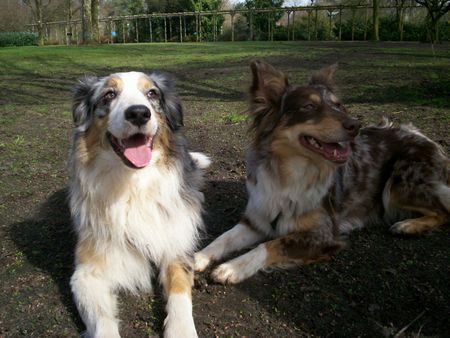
429 92
27 87
48 242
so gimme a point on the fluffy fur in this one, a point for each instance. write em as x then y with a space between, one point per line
313 175
132 212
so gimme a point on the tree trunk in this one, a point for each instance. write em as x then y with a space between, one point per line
94 20
40 24
86 22
376 22
434 29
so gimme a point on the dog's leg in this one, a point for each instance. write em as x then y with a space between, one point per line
95 300
425 199
419 225
296 248
177 279
241 236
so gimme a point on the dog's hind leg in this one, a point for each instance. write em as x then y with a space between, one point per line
304 247
241 236
429 201
177 280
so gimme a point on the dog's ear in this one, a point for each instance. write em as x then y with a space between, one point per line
324 77
170 103
82 108
268 84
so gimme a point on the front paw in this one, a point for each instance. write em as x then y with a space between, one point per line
201 261
242 267
229 273
179 321
407 227
179 327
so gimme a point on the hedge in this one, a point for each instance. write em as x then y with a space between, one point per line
9 39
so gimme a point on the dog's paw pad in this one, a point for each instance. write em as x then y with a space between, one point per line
201 262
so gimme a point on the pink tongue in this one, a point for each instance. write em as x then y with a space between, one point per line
341 153
137 151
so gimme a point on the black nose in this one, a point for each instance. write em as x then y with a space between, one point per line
352 126
138 115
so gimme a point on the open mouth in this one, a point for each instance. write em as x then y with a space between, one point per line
335 152
135 151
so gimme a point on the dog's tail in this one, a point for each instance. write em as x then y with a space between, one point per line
201 160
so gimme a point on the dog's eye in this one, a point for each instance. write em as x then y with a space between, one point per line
152 94
110 95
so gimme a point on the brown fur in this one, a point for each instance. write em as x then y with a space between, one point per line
90 144
179 279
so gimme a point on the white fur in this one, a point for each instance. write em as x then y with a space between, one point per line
133 217
268 197
242 267
201 160
179 321
443 191
239 237
130 95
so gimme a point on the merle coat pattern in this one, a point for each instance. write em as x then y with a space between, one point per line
313 175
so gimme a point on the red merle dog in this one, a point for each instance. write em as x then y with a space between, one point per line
313 174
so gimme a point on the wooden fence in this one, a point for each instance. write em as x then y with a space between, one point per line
189 26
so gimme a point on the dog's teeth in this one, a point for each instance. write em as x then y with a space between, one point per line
313 142
334 152
343 144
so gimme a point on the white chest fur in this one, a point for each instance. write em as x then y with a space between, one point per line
271 200
143 209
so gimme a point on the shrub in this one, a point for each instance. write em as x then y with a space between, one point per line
10 39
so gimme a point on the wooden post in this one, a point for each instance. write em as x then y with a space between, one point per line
232 26
215 27
151 29
181 30
353 24
196 27
330 13
293 26
309 25
170 28
272 24
340 24
251 25
288 24
268 27
185 33
137 30
200 27
315 24
123 31
165 29
365 23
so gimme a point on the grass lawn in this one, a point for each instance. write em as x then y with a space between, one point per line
379 286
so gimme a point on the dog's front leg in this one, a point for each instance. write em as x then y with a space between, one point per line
177 279
241 236
95 301
301 247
